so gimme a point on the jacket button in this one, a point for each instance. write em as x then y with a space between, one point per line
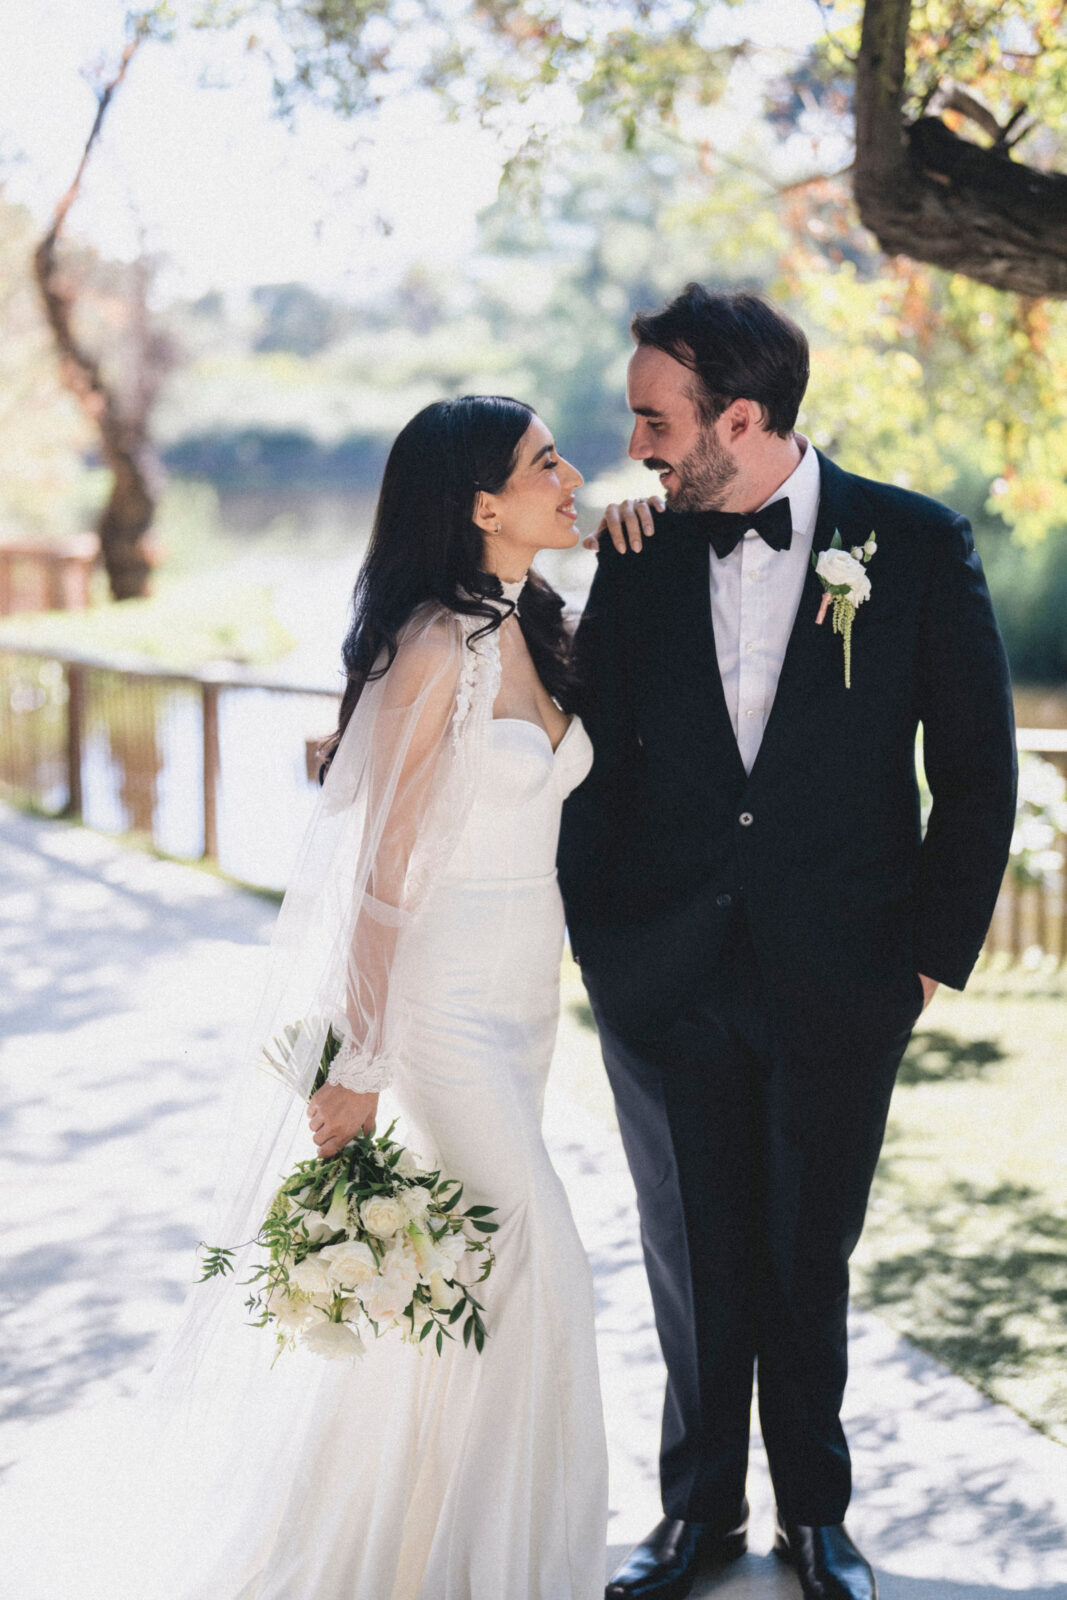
724 899
745 819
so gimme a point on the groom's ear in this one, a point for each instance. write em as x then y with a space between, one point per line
741 417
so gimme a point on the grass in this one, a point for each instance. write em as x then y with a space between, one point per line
185 624
965 1249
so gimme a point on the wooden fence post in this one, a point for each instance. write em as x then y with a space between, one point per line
209 700
75 737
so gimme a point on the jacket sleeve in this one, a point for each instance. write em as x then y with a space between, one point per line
595 814
965 707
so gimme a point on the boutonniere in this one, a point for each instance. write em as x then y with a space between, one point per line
845 586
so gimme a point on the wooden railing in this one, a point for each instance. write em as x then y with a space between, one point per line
46 577
223 765
192 760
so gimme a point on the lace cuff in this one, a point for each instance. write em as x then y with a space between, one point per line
359 1070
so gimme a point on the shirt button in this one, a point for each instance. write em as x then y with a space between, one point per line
753 577
745 819
724 900
749 647
750 713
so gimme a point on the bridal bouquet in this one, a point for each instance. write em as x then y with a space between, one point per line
363 1240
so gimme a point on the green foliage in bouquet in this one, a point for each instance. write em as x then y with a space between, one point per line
363 1239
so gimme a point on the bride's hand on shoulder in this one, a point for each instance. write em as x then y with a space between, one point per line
628 524
337 1116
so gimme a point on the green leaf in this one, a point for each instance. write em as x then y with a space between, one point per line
485 1227
835 542
468 1329
427 1327
479 1337
216 1262
479 1211
456 1312
440 1341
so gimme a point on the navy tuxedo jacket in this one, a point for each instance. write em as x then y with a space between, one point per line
821 843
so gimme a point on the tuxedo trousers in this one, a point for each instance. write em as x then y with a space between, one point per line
752 1154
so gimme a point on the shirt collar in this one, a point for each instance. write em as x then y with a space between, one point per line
802 489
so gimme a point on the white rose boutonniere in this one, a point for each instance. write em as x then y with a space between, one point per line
845 587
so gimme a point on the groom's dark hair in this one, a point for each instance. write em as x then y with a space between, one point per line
738 346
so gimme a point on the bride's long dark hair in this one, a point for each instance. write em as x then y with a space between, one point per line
425 545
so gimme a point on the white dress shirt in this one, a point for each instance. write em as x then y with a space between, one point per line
755 593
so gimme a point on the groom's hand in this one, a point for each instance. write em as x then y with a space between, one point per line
930 988
338 1115
627 524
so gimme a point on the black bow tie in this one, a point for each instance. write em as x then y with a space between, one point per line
724 529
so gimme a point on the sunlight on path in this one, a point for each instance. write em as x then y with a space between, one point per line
128 984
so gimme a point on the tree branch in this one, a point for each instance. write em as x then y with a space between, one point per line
124 438
926 193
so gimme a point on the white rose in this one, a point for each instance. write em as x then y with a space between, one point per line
841 570
349 1262
334 1340
856 552
382 1215
310 1276
870 547
407 1166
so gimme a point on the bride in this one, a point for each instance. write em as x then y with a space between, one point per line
425 922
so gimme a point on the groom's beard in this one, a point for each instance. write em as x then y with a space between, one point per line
703 477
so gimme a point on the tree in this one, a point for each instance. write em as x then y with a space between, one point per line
45 435
923 189
118 411
926 192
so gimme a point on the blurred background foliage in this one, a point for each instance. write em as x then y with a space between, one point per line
280 402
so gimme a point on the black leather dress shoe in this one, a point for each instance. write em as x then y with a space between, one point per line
826 1561
666 1565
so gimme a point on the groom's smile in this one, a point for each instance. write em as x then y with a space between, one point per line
671 436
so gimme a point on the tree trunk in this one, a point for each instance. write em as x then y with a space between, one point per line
124 441
926 193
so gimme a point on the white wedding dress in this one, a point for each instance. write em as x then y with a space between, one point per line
409 1476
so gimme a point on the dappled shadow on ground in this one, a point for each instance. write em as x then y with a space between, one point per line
988 1268
934 1056
127 990
83 917
582 1012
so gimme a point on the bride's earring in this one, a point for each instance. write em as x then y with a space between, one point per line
498 528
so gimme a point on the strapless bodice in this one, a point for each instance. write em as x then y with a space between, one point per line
512 829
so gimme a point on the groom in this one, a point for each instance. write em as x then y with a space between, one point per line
757 913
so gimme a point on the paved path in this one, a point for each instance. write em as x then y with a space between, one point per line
127 983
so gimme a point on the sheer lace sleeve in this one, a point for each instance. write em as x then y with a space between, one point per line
417 772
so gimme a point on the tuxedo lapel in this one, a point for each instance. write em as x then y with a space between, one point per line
811 647
686 623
